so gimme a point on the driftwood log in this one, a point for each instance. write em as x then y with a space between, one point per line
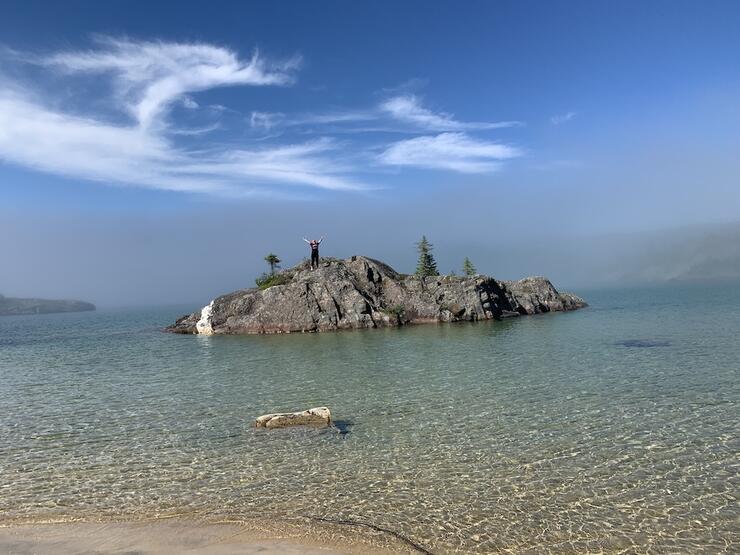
318 417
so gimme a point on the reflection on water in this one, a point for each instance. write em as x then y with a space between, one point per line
540 433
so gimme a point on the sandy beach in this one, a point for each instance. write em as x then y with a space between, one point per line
162 537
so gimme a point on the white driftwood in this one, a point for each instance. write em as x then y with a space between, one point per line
319 417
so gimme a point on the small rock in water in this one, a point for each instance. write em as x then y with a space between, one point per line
319 417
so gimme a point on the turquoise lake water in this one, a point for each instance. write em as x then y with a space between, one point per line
614 428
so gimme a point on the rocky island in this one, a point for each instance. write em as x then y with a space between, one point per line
12 307
360 292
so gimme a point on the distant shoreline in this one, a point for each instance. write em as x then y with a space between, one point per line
10 306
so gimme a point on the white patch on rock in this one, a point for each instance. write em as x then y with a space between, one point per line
203 327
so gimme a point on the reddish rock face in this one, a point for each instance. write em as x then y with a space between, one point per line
360 292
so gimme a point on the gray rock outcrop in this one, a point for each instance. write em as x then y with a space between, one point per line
317 417
360 292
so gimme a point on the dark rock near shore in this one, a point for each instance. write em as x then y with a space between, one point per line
360 292
10 306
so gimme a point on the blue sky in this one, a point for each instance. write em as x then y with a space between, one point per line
480 124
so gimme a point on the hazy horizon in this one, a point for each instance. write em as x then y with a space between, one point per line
88 269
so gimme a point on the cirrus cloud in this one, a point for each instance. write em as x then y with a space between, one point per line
148 78
559 119
408 109
151 145
36 137
449 151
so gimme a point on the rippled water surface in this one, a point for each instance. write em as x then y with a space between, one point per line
614 428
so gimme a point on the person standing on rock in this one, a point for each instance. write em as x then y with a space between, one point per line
314 244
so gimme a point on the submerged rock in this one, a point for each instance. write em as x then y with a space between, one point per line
360 292
643 343
318 417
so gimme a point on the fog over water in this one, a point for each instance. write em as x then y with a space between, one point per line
206 250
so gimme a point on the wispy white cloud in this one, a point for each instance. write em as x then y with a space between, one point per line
399 114
189 103
266 120
449 151
311 163
192 131
271 120
154 148
408 109
562 118
334 117
406 87
148 78
34 136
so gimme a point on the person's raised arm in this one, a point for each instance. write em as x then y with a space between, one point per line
322 238
307 241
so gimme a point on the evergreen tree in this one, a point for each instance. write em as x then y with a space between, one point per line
468 268
426 266
273 261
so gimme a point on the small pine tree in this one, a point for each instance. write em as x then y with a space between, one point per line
426 266
273 262
468 268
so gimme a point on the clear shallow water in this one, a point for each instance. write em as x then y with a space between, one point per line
608 429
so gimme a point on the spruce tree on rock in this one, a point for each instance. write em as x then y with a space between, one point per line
273 262
468 268
426 266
